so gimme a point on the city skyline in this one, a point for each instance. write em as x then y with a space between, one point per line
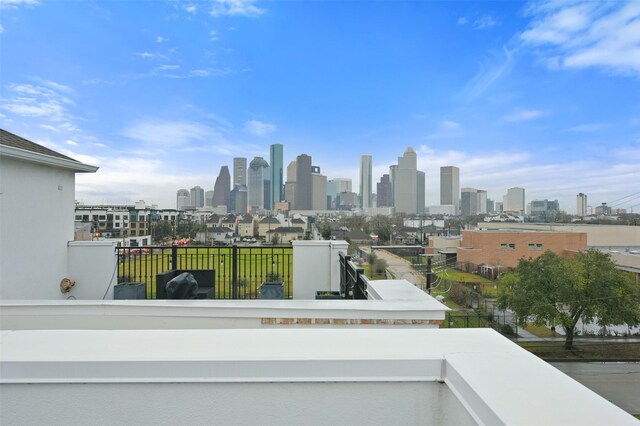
163 94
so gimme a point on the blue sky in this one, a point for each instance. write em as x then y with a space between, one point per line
160 94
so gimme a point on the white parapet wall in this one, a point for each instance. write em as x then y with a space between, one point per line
286 377
316 267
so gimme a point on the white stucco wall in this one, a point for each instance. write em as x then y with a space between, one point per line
36 222
311 261
92 264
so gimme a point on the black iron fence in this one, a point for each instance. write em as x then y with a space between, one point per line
353 282
239 271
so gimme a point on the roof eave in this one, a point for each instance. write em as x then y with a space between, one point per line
34 157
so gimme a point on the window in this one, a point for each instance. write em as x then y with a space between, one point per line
535 246
117 225
78 217
508 246
101 217
117 217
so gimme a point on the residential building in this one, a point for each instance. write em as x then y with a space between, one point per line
247 226
513 201
222 188
582 205
482 201
256 176
450 187
197 197
36 252
276 153
304 185
183 199
365 181
266 224
239 171
490 206
603 210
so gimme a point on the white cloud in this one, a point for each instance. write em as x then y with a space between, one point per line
171 134
588 128
168 67
213 35
160 39
524 115
484 22
190 8
489 74
462 20
72 142
235 8
1 29
13 4
259 128
450 124
592 34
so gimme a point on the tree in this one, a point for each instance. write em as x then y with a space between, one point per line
162 230
556 290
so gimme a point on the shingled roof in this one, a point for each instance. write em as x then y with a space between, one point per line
15 141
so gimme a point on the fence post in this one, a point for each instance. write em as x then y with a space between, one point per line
234 271
174 257
466 320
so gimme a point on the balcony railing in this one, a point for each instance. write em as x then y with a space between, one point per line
239 271
353 281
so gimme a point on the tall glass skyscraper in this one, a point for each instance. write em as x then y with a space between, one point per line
365 181
277 170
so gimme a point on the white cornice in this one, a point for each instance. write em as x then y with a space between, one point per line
35 157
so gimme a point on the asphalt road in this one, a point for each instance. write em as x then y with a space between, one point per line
618 382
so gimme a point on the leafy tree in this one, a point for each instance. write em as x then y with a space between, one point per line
162 230
275 239
556 290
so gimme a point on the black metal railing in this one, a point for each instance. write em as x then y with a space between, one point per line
353 281
239 271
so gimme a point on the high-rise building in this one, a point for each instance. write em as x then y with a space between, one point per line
290 185
383 190
336 186
514 200
197 197
450 187
222 188
490 206
469 202
482 201
406 184
318 189
239 171
582 204
183 199
304 187
208 198
277 173
238 199
256 175
544 209
365 181
420 187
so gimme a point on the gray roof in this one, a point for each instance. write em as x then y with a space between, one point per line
288 229
15 141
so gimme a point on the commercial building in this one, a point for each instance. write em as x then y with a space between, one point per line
513 201
318 189
384 192
504 248
544 209
183 199
197 197
239 171
304 184
450 187
365 181
276 162
222 188
257 174
406 184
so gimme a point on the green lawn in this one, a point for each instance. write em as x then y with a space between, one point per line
255 266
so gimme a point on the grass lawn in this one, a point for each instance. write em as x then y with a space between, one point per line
254 266
540 331
585 351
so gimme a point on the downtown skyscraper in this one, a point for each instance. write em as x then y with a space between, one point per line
450 187
365 182
239 171
277 171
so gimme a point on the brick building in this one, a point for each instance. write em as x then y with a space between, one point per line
503 248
